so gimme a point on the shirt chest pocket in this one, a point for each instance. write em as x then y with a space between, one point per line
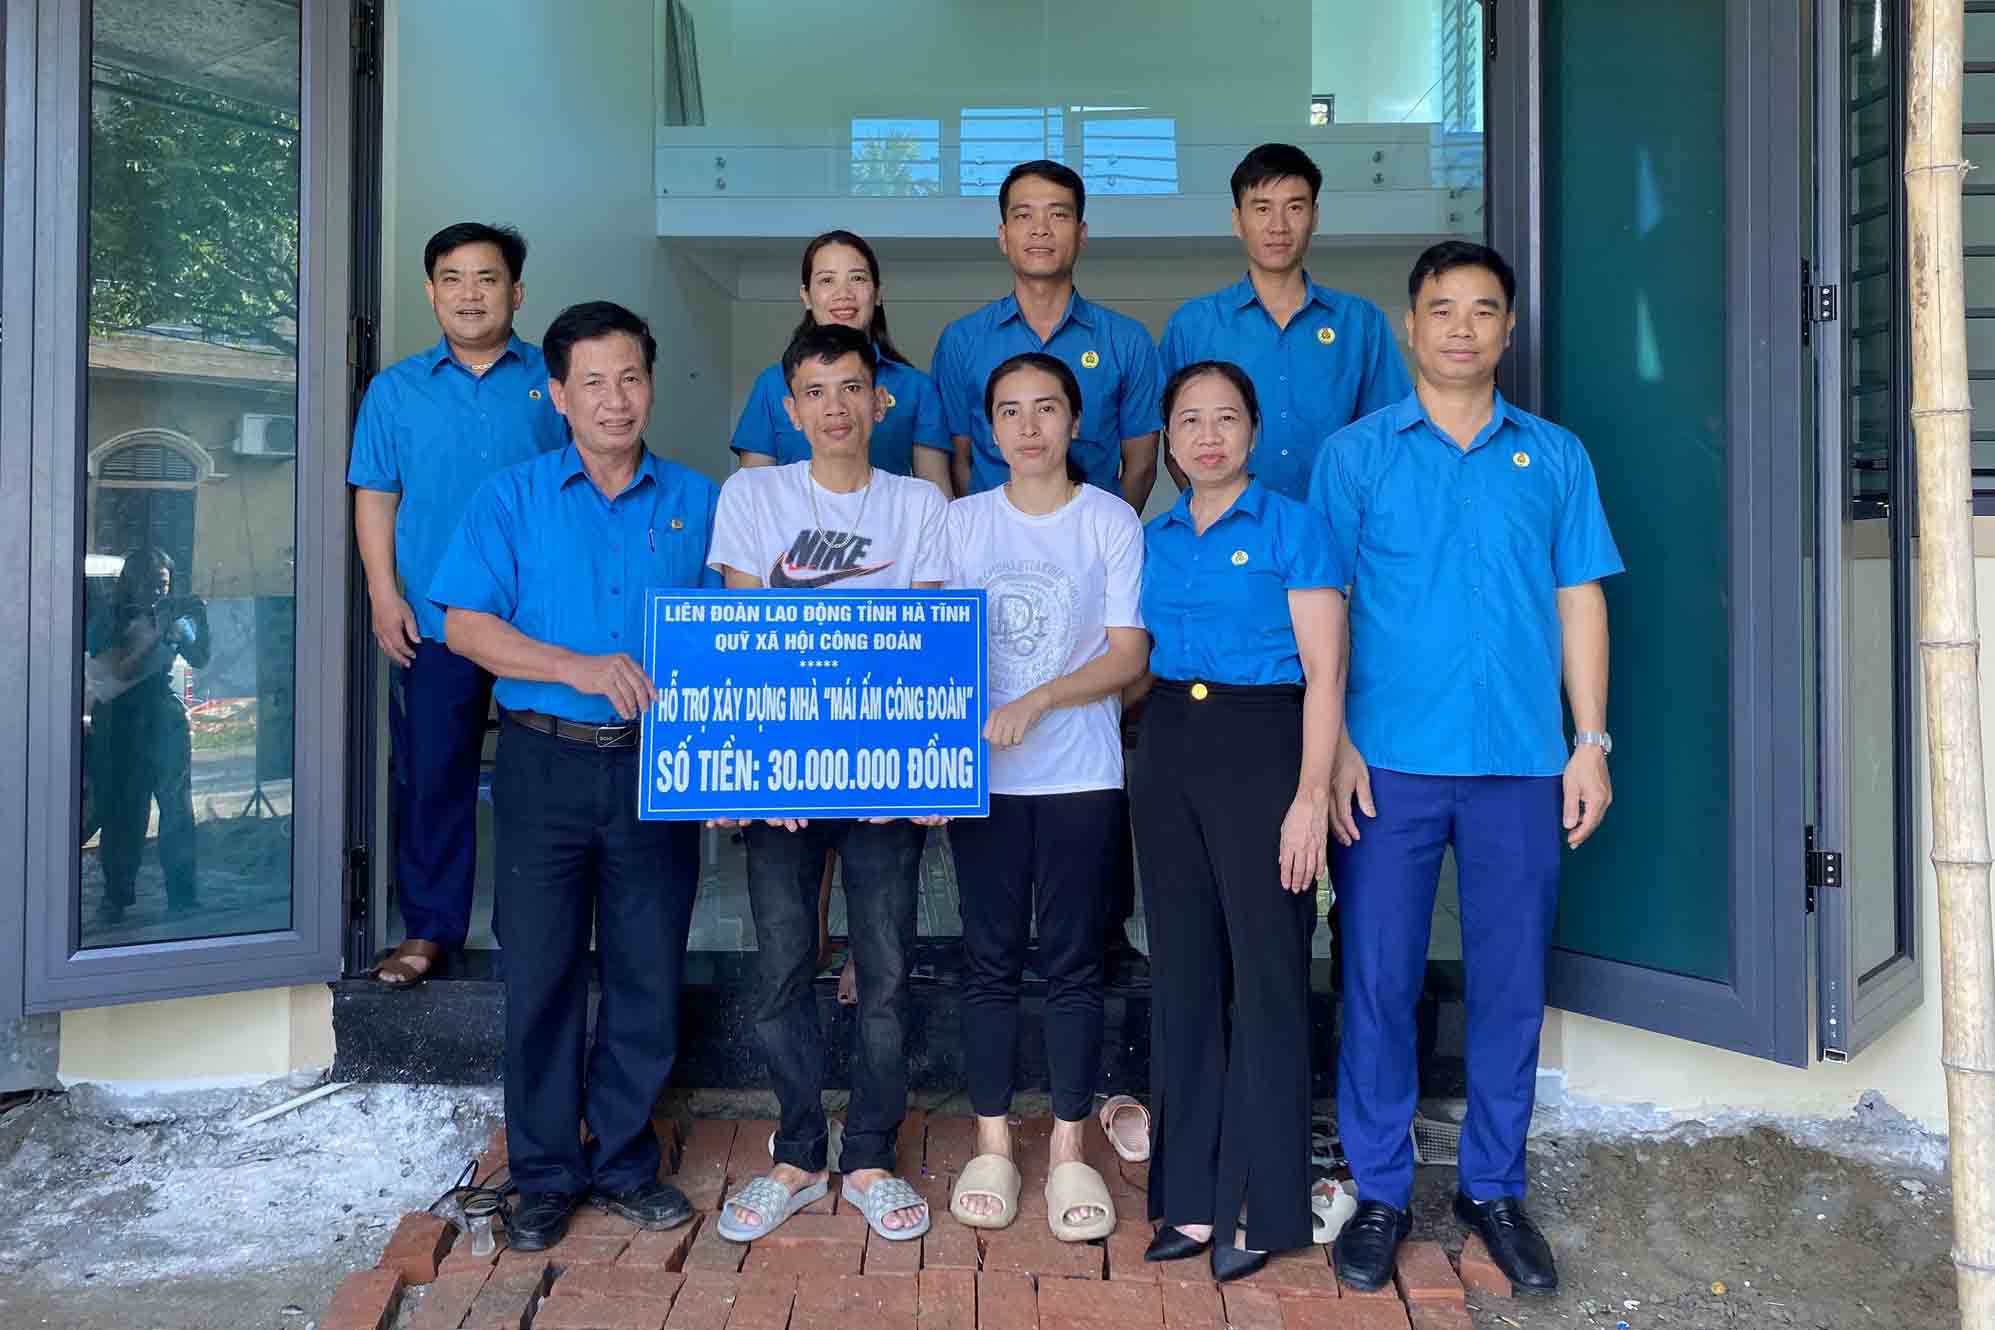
1529 506
671 556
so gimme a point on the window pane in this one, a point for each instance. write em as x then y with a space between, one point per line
191 418
1635 364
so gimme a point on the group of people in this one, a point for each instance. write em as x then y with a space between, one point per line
1350 636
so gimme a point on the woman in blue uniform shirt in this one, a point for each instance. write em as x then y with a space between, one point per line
841 284
1230 786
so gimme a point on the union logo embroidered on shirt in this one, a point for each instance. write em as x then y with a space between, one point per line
1326 335
1239 558
678 524
888 398
1089 360
534 393
1520 459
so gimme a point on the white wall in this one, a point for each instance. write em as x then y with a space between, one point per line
773 64
1378 58
545 121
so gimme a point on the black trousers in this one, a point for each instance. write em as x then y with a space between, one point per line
573 857
1065 846
142 753
880 865
1229 962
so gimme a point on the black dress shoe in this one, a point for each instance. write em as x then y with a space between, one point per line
539 1219
1230 1263
1515 1244
1174 1244
652 1204
1368 1248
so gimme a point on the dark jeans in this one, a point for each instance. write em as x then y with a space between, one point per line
437 735
573 857
1229 962
879 864
1065 846
141 753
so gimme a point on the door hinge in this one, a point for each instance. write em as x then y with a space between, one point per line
1823 868
1489 28
362 35
358 333
358 880
1822 305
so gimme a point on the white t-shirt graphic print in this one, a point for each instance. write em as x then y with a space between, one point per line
779 524
1053 587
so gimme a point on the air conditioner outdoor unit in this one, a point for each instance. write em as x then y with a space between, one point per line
267 436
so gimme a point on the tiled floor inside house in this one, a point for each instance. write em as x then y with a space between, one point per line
824 1270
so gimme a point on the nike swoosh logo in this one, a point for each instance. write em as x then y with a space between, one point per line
779 576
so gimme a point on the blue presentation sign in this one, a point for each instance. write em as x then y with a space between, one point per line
814 704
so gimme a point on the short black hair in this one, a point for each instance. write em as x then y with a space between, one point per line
512 245
1056 172
827 343
1275 161
586 322
1452 254
1226 370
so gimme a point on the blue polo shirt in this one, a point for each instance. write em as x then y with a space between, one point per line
1111 354
1336 361
1216 604
913 420
1455 559
541 548
432 431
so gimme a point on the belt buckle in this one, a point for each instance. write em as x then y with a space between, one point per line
1199 692
610 736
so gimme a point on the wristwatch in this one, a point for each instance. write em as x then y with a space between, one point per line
1600 739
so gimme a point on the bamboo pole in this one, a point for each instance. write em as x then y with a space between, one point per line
1949 641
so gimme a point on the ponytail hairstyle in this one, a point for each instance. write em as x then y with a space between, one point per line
1070 388
877 330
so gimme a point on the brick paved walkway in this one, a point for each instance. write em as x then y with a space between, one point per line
824 1270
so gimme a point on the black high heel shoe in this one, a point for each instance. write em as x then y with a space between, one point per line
1230 1263
1173 1244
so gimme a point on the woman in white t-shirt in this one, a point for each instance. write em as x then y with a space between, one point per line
1061 563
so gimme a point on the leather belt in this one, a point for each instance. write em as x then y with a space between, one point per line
621 735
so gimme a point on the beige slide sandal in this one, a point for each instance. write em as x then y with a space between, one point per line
1072 1186
1126 1123
987 1175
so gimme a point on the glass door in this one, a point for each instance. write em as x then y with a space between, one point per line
1863 872
187 417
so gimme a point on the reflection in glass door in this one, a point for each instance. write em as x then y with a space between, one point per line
190 422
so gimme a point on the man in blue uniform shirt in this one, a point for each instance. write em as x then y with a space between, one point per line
1319 358
1041 229
544 587
432 428
1472 536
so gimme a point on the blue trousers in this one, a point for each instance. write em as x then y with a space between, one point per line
1506 835
437 733
574 861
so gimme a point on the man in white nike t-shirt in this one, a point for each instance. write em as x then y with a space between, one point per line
833 523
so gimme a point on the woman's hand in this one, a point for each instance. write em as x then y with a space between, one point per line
1010 723
1305 841
1350 782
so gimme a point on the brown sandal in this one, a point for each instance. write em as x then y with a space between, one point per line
396 973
